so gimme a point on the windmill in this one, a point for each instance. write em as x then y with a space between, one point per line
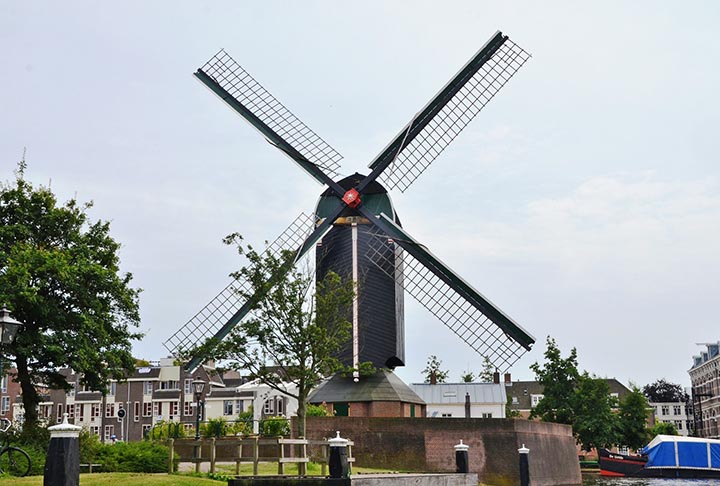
355 229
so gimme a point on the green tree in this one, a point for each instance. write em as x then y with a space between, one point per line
488 371
558 378
60 276
594 423
664 391
433 368
663 428
632 419
296 329
467 377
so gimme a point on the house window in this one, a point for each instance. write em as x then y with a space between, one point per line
146 430
147 387
678 424
227 407
170 385
4 405
60 412
80 411
676 409
136 412
187 408
446 415
515 400
535 399
71 391
95 430
487 415
174 409
113 389
147 409
95 411
109 431
269 407
665 410
4 384
71 411
187 387
239 408
109 410
156 409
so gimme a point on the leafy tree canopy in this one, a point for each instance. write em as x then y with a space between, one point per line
296 329
60 276
595 423
488 371
467 377
632 419
663 428
558 377
433 368
664 391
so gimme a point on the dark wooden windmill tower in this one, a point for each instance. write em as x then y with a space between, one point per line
355 229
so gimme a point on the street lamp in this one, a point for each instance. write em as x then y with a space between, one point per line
8 327
198 386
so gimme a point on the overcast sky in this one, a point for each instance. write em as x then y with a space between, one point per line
584 200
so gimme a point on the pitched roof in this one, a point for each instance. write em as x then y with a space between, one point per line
455 392
523 390
383 386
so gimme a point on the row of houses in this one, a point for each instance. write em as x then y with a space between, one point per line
163 392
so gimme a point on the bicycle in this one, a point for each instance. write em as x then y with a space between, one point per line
13 460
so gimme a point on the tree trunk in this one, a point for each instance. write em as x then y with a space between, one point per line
30 396
301 414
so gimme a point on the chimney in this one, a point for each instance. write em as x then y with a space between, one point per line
508 379
467 405
496 378
433 378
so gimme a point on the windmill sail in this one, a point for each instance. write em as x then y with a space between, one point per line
449 112
238 89
466 312
228 307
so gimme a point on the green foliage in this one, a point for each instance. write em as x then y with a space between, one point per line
632 419
488 371
275 426
664 391
558 378
90 447
318 410
142 456
509 412
594 423
214 427
60 276
467 377
163 430
663 428
297 327
433 369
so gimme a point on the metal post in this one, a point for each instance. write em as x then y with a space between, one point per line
62 465
356 311
524 466
461 458
338 458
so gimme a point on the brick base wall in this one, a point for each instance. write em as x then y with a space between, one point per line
426 445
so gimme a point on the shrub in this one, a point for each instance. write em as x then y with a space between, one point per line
215 427
317 410
164 430
143 456
275 426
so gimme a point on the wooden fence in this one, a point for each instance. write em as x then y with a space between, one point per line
246 450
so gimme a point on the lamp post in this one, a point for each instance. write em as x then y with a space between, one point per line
8 327
198 386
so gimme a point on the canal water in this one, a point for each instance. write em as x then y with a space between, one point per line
597 480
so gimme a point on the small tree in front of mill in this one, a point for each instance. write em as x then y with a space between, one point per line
433 369
632 419
594 423
558 377
296 328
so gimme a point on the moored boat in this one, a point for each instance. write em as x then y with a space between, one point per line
666 456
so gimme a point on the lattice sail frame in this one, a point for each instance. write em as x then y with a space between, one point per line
454 116
215 318
449 307
243 87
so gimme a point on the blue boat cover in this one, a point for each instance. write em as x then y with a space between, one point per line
682 452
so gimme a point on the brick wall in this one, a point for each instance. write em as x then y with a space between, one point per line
426 445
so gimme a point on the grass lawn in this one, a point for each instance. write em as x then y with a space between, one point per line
126 479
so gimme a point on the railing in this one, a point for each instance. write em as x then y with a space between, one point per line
248 450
